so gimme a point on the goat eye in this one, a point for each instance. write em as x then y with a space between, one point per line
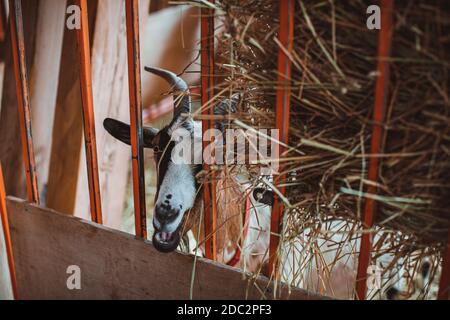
155 149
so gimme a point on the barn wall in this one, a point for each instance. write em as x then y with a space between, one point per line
44 82
110 94
114 265
67 126
10 144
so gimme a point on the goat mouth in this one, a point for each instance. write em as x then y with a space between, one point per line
166 241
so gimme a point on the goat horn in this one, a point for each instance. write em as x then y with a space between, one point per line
183 106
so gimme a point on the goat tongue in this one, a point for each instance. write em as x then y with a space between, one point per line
166 236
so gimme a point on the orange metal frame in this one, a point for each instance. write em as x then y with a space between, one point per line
381 94
286 37
5 225
23 97
88 113
136 132
207 93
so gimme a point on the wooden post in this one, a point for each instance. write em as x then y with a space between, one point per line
283 103
67 126
207 93
44 83
381 94
23 97
136 133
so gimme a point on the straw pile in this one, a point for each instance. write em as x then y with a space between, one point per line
334 74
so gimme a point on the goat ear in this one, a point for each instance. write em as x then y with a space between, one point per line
121 131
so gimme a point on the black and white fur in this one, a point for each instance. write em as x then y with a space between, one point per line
177 186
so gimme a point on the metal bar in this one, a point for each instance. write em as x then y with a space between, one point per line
88 113
7 236
381 94
134 84
23 97
283 104
444 283
207 93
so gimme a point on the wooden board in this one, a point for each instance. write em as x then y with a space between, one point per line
176 30
110 90
67 126
44 82
10 143
114 265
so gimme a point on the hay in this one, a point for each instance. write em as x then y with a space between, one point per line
334 73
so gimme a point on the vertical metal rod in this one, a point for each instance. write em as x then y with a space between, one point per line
283 104
88 113
381 94
444 283
5 225
207 92
23 97
134 84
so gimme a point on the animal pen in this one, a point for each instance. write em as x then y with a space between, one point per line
283 93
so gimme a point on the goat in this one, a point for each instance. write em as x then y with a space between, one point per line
178 199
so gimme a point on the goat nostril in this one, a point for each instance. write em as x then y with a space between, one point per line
165 214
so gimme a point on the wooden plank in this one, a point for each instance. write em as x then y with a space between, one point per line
44 82
23 97
10 143
113 265
67 126
177 29
110 88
